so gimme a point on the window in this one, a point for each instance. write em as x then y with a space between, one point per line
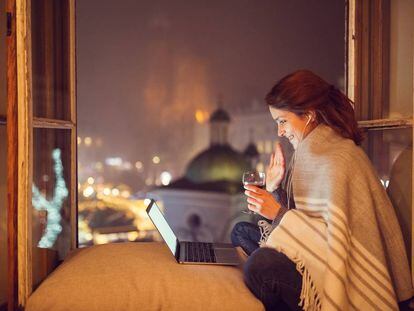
147 83
41 136
380 80
3 162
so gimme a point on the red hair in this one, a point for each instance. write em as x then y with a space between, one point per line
303 91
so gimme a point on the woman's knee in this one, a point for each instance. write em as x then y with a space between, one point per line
263 263
237 233
256 266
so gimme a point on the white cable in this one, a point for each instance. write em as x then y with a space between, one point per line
292 163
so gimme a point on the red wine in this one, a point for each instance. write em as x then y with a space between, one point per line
257 184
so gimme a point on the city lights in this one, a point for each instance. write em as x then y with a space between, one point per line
107 191
88 191
91 180
79 140
125 194
201 116
127 166
113 161
88 141
139 165
165 178
132 236
115 192
99 166
156 160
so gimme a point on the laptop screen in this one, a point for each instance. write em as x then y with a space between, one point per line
164 229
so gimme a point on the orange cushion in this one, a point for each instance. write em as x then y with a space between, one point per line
140 276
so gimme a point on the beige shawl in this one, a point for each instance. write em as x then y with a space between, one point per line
343 235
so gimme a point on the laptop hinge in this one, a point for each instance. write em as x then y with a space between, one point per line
177 251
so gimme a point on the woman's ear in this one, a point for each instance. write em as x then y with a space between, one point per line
311 115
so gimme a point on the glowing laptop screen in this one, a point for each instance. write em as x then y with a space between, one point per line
164 229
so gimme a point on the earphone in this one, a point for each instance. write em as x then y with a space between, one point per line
293 160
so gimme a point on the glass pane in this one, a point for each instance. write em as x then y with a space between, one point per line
3 215
51 215
3 60
165 83
391 153
50 59
401 59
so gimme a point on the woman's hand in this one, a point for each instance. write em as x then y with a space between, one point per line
262 202
275 172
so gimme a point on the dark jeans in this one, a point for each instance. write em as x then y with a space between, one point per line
246 235
271 276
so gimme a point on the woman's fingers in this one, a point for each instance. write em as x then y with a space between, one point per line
255 202
253 195
272 160
261 202
254 189
280 158
253 208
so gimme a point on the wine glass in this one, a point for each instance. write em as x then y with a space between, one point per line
254 178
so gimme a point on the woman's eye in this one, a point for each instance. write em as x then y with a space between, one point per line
281 122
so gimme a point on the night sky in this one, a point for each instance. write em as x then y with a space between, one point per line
145 67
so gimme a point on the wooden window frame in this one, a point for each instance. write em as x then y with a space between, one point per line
367 70
20 124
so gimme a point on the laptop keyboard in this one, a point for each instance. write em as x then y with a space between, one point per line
199 252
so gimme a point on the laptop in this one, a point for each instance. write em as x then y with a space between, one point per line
192 252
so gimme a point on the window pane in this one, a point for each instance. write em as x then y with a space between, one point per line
165 83
401 59
51 200
391 153
3 60
50 59
3 215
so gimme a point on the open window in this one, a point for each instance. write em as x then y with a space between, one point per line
380 81
3 161
41 141
38 141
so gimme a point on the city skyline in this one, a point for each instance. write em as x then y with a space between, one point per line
149 68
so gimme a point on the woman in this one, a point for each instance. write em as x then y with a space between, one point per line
334 242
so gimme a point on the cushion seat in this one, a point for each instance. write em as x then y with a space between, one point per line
140 276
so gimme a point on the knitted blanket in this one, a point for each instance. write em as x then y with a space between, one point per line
343 235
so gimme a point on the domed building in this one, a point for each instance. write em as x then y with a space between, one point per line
217 163
211 189
218 168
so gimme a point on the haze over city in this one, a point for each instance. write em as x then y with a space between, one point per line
146 70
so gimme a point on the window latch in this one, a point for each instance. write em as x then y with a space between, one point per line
9 24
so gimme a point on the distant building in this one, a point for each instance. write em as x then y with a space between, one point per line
256 128
205 203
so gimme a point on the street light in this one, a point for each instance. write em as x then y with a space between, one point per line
156 160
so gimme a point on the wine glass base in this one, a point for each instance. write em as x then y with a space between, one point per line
249 212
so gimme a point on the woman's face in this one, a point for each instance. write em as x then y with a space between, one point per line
289 125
